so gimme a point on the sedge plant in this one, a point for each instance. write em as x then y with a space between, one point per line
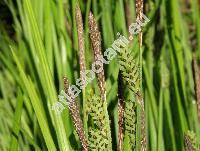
146 98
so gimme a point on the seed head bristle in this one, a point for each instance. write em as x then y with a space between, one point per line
81 43
196 74
75 114
95 37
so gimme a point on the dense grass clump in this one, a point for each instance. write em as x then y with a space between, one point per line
145 97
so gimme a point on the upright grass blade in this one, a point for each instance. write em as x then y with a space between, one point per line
46 76
178 51
160 122
31 140
44 33
120 22
37 105
106 22
17 123
48 38
176 59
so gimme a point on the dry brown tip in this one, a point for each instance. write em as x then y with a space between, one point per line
95 37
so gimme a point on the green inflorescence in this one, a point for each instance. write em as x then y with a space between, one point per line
99 132
130 122
130 69
191 143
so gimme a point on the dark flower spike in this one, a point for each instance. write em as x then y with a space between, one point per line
81 44
95 37
75 114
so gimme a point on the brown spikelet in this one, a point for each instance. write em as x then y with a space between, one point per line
75 114
196 75
81 44
95 37
121 103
